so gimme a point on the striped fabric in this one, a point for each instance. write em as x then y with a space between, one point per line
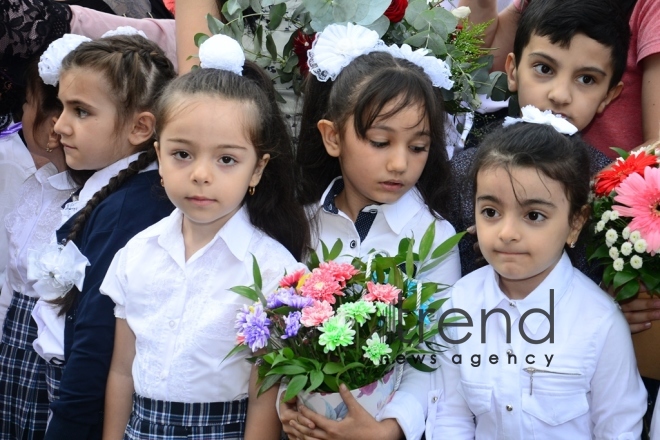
159 420
23 394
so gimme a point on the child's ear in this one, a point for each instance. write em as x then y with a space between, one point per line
53 138
259 170
157 148
611 94
330 137
511 72
143 128
578 223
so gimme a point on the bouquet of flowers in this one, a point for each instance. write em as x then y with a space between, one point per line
626 208
421 24
334 322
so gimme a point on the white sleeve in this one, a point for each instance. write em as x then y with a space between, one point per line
618 396
408 406
113 284
6 294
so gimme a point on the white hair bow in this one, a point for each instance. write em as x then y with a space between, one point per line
535 116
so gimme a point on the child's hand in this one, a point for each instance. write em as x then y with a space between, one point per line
639 312
358 423
288 413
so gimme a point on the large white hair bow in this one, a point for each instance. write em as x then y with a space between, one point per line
50 62
535 116
222 52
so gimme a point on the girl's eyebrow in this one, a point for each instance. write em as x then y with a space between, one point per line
76 102
220 146
551 60
521 202
390 129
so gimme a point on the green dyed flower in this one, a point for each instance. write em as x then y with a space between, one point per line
376 350
360 311
336 331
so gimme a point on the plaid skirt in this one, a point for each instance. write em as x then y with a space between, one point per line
23 393
53 378
159 420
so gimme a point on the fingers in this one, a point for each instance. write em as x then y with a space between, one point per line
472 230
306 433
640 304
637 328
351 404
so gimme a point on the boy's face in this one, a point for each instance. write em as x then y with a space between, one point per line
573 81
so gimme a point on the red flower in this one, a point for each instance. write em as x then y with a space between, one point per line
608 179
396 10
301 44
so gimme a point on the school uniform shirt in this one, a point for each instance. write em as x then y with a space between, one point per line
182 312
89 325
380 228
49 343
581 382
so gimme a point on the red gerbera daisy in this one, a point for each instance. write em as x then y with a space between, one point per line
608 179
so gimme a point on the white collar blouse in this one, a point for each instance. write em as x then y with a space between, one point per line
182 312
583 384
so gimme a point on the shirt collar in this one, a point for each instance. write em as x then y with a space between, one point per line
559 280
44 173
62 181
101 178
397 214
236 234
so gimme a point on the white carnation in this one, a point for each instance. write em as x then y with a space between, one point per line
611 236
625 233
640 245
606 217
614 253
618 264
223 53
634 236
614 215
636 262
600 226
50 61
626 248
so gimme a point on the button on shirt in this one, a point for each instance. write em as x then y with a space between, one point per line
182 312
582 385
380 228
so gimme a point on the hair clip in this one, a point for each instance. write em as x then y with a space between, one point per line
50 62
124 30
435 68
223 53
338 45
535 116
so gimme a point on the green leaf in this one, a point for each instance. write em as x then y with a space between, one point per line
287 370
426 242
215 25
608 275
331 383
420 366
418 40
271 47
336 250
447 245
332 368
602 252
268 383
259 38
437 45
313 261
350 366
236 349
247 292
256 273
256 6
295 386
315 379
275 16
410 265
200 38
499 90
623 153
623 277
630 289
288 353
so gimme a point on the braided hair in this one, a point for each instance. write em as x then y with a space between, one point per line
136 71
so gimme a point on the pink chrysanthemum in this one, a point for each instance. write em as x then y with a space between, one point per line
316 314
322 286
342 272
386 293
642 197
292 279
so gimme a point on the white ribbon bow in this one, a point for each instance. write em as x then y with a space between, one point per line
56 269
535 116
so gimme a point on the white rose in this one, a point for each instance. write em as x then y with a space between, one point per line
640 245
625 233
634 236
626 248
461 12
614 253
600 226
636 262
618 264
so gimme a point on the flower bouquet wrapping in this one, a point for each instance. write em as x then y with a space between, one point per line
626 208
338 322
420 24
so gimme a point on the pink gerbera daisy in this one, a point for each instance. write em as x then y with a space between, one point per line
292 279
342 272
642 197
316 314
386 293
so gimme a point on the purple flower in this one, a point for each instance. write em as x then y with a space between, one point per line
287 297
252 323
292 321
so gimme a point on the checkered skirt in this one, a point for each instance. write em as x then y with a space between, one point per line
159 420
23 394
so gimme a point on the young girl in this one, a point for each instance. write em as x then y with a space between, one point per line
108 88
542 351
226 162
374 170
23 396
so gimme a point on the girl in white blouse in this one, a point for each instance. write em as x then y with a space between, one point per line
226 163
30 227
374 171
540 351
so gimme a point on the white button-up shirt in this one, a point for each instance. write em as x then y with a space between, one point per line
407 217
582 384
182 312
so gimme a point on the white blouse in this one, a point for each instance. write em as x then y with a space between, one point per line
407 217
182 312
582 384
49 343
